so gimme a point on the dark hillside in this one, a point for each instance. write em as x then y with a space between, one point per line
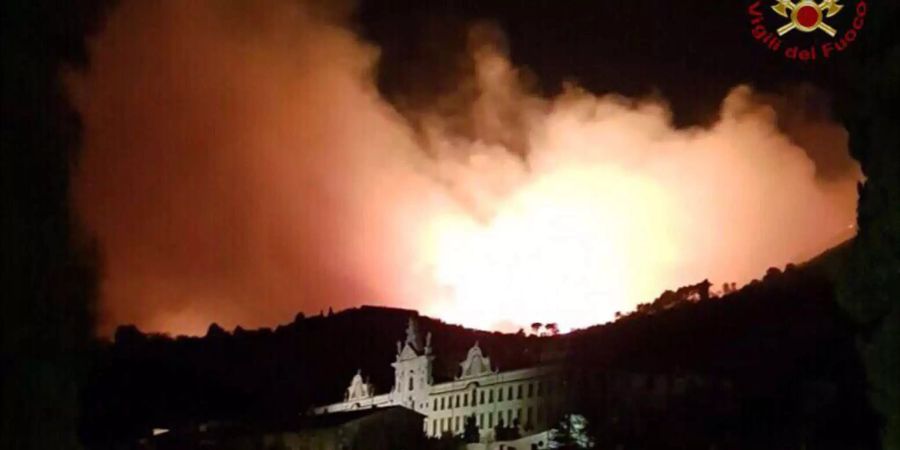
782 346
143 381
773 341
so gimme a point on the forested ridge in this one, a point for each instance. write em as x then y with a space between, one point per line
771 339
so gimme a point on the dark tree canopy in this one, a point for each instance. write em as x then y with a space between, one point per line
870 288
49 269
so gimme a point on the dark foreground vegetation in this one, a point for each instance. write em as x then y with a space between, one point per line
781 345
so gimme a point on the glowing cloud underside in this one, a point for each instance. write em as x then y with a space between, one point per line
240 166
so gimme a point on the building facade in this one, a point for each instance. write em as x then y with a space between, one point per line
502 404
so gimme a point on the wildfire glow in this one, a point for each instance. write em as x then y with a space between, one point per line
571 247
240 165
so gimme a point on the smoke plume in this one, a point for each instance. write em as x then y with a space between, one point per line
241 165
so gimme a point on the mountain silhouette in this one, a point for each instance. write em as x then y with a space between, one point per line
771 340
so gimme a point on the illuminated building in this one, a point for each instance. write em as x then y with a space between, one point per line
523 401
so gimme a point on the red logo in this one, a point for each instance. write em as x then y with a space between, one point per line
806 30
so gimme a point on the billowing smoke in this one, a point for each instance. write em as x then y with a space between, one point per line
241 166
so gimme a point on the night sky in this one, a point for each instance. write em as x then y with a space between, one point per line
691 52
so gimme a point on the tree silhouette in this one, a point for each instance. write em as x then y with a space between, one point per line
870 286
470 430
726 288
216 332
49 266
571 433
702 289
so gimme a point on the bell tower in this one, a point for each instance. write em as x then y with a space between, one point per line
412 369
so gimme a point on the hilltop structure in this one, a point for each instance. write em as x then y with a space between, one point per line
503 404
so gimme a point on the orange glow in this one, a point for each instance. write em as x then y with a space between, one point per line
571 248
240 165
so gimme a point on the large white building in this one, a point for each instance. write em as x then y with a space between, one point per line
524 401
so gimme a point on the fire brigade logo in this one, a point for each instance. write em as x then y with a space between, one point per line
807 15
807 30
